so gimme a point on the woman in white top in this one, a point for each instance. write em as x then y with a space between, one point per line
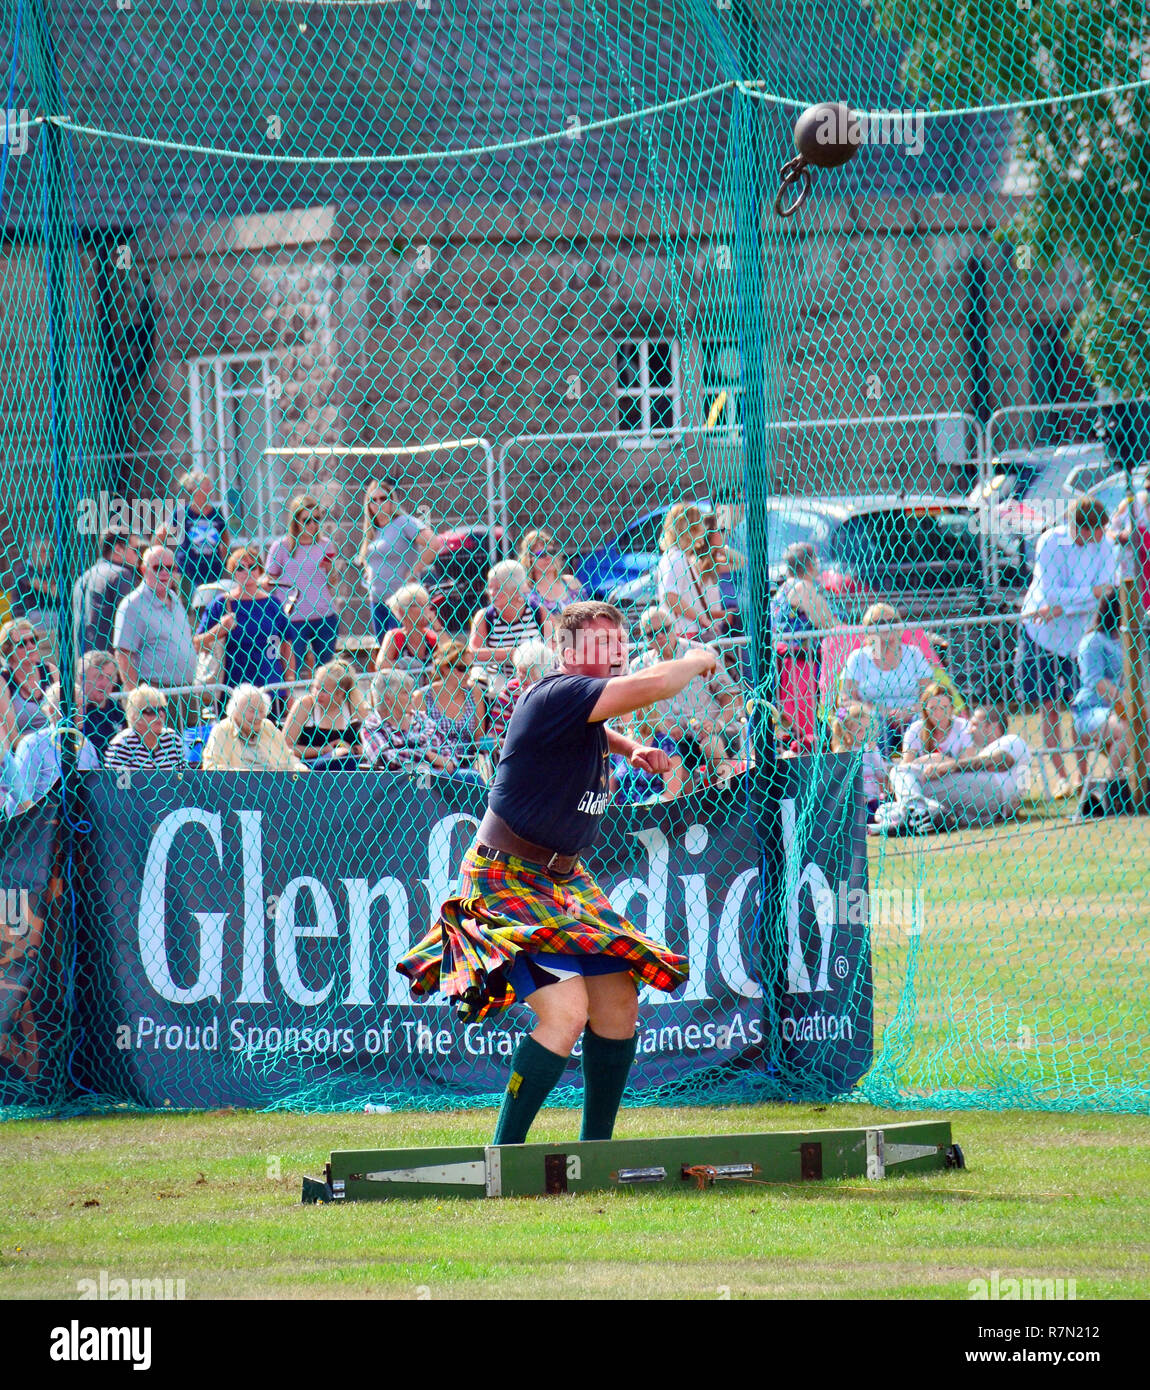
889 674
681 587
939 733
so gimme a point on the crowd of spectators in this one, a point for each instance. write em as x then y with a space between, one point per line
196 645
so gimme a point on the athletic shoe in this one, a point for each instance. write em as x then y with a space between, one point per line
918 819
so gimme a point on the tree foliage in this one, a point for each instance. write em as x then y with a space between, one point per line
1086 161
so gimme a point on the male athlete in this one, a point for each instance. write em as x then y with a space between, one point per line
528 921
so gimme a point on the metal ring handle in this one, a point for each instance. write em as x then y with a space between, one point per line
795 171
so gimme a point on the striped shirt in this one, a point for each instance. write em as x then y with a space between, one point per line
127 751
527 627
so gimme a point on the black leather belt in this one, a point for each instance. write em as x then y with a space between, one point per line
557 864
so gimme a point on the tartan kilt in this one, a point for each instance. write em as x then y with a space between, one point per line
502 909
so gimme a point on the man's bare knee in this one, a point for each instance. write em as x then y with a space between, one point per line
562 1013
613 1005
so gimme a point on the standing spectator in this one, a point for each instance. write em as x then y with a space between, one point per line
1099 711
396 738
510 618
455 702
147 744
35 766
887 673
246 740
396 549
680 584
25 675
153 638
800 604
1129 529
301 563
102 717
32 588
548 586
204 547
411 645
99 590
1074 565
323 726
252 626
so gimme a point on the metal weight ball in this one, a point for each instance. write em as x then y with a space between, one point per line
826 136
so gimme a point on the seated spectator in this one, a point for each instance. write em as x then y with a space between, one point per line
203 550
410 645
982 785
510 618
888 674
102 717
35 765
396 550
686 726
252 627
99 591
931 744
395 737
530 661
714 701
717 579
323 725
854 729
680 583
24 674
246 740
548 586
1074 565
1099 708
300 564
455 702
153 638
147 744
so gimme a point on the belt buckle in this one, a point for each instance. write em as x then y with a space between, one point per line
551 862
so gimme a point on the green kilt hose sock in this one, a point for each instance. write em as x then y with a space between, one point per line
606 1066
535 1070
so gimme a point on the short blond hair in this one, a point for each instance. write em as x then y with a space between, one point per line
138 698
881 613
404 598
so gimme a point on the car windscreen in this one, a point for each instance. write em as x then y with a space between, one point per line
935 542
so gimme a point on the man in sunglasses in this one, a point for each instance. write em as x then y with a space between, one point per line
153 638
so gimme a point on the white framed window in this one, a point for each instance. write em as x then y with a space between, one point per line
233 408
649 393
719 371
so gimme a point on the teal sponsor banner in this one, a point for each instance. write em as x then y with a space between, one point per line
236 936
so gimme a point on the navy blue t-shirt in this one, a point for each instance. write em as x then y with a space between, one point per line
552 784
252 651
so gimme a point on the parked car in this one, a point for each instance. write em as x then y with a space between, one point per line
1029 491
919 553
456 581
628 556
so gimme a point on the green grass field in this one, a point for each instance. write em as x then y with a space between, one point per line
214 1200
1027 966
